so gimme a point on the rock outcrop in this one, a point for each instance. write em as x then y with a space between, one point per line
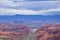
48 32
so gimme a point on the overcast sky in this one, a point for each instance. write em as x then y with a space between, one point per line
29 7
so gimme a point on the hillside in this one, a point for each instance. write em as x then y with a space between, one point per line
48 32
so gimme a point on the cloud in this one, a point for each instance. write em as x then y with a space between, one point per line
27 12
34 5
14 11
12 7
35 0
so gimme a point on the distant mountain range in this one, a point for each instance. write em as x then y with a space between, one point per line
30 20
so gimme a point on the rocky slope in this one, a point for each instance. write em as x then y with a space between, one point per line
48 32
13 31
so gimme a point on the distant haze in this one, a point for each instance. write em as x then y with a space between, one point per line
30 20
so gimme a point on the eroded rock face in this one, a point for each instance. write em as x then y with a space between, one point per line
13 31
48 32
14 28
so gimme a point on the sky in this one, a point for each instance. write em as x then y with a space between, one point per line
30 7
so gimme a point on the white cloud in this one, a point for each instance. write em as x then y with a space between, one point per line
14 11
30 5
28 8
7 3
27 12
46 12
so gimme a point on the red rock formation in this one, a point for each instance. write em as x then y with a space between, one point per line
48 32
20 29
13 30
